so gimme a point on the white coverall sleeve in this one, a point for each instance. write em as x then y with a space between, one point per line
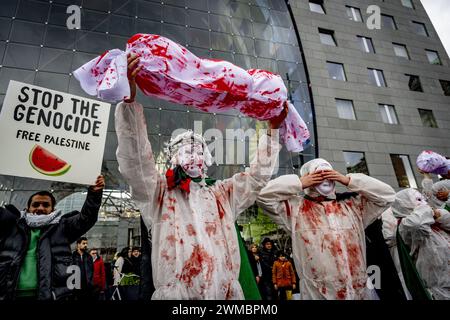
135 157
118 265
417 225
389 228
377 196
274 198
243 188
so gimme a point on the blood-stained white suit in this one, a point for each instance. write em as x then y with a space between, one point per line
428 239
328 237
195 252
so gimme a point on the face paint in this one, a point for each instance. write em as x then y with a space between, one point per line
191 160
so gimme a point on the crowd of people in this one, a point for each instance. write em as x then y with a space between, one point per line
196 250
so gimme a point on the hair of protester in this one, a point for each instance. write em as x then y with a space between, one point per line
124 252
42 193
81 239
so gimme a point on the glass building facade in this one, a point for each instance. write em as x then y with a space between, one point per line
36 47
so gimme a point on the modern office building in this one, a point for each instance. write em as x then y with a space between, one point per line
381 96
372 99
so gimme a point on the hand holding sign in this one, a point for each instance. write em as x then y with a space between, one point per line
51 135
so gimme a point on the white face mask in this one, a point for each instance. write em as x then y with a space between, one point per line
326 187
191 160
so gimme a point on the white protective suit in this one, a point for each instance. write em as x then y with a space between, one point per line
428 239
195 252
328 237
430 190
389 230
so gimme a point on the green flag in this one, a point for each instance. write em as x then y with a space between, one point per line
413 281
246 276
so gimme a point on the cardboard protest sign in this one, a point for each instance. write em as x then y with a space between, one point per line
52 135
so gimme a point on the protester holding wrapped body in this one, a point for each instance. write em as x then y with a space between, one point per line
327 229
195 252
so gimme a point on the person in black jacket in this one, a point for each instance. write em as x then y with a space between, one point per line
267 255
35 245
84 261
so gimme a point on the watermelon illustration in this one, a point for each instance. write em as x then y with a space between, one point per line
45 162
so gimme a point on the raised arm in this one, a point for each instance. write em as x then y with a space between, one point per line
77 225
417 225
134 152
375 196
274 198
135 157
243 188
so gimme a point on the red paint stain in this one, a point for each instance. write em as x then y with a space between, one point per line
198 262
161 51
333 207
341 294
101 57
323 290
312 215
270 92
165 217
190 230
305 240
354 258
335 248
211 229
171 239
165 255
220 209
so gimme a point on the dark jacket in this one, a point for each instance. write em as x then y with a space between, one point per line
146 287
86 265
267 258
53 252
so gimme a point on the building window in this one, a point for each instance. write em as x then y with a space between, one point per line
400 50
403 171
414 83
376 77
316 6
445 86
366 44
388 22
408 4
388 113
345 109
428 118
433 57
327 37
355 162
420 28
354 14
336 71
